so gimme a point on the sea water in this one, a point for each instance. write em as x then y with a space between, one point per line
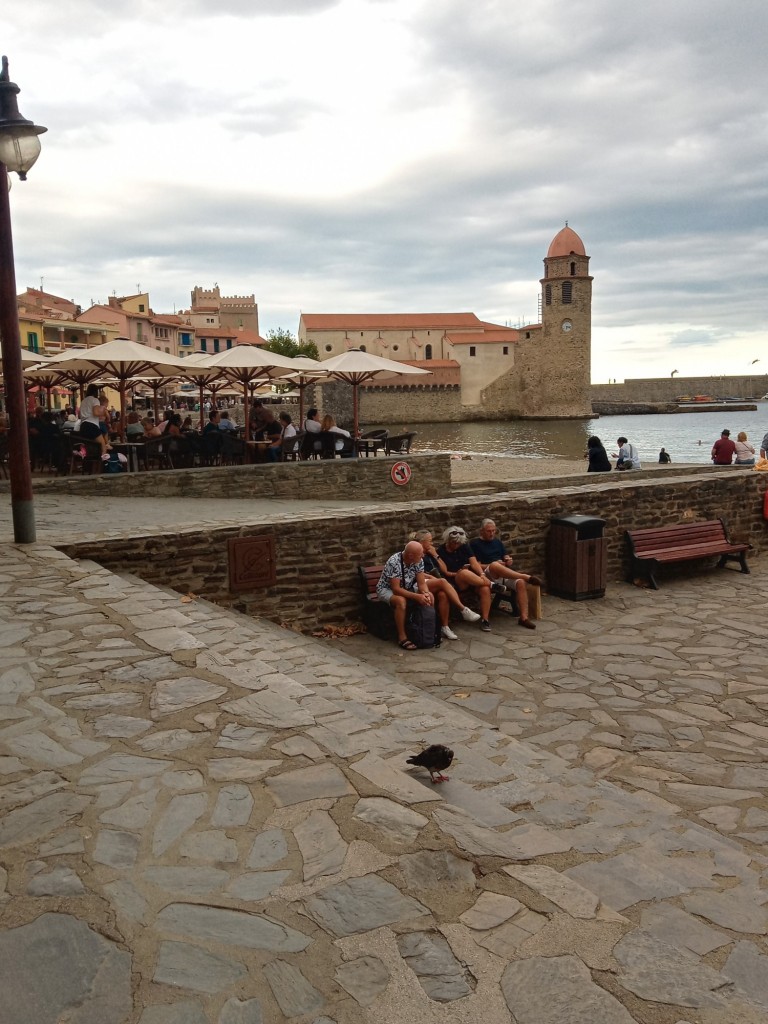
687 436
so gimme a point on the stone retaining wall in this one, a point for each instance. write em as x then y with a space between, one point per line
317 557
317 480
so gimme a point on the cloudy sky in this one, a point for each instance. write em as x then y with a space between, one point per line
407 156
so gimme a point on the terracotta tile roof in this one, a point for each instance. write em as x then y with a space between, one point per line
497 337
565 243
388 321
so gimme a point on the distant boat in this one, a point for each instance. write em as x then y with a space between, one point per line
704 398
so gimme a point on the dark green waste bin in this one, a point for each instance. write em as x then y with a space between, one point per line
576 557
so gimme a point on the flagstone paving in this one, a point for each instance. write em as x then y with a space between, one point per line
206 819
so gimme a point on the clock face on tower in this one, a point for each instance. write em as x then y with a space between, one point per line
567 325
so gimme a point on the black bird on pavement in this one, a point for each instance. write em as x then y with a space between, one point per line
435 759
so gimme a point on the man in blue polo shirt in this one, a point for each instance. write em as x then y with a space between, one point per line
497 566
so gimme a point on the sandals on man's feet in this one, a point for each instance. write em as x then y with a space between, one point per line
408 645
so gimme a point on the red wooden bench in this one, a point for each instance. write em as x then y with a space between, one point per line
661 545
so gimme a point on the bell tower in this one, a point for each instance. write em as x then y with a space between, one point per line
566 329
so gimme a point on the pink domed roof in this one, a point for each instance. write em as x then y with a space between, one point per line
566 242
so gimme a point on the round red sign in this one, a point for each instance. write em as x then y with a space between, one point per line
401 473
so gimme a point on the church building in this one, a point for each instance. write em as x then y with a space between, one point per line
486 370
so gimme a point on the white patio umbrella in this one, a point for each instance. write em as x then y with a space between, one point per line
247 364
27 359
120 360
356 367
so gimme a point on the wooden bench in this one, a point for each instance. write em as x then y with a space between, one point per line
378 617
685 542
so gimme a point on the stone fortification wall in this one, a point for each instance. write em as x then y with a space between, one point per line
327 479
667 389
402 406
317 557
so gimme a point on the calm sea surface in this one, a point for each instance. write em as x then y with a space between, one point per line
679 433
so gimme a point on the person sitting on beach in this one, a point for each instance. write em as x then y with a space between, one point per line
723 449
598 456
627 456
497 566
403 580
461 568
444 594
744 451
664 455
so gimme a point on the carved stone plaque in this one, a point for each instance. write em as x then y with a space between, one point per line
252 563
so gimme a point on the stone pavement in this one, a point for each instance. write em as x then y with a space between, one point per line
206 819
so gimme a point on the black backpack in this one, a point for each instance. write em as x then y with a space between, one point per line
421 625
420 621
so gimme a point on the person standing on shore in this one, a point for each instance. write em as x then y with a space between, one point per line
665 457
723 449
764 448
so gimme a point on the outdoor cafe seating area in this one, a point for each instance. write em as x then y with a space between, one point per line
65 453
122 365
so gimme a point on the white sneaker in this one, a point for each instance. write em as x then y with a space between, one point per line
468 615
448 633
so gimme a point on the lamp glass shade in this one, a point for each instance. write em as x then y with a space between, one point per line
18 151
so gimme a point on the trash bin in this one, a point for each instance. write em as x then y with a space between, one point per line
576 557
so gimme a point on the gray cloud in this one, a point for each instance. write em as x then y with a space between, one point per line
644 127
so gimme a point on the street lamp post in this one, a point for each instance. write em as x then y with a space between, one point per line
19 148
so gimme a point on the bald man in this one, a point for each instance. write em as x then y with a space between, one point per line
403 580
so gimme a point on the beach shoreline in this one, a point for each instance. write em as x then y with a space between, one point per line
481 467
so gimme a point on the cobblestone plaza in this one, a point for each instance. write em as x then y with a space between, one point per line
207 819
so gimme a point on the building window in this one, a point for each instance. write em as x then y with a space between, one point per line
427 350
362 348
229 343
472 350
395 348
329 348
215 344
209 319
138 332
527 334
186 339
141 307
548 294
573 270
73 339
361 334
203 345
505 350
32 345
567 291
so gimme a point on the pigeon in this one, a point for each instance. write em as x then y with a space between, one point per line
434 759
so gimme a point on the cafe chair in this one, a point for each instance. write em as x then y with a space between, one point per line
291 448
400 444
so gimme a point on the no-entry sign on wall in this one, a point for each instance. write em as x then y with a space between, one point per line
400 473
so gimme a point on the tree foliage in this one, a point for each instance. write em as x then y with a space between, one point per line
284 344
